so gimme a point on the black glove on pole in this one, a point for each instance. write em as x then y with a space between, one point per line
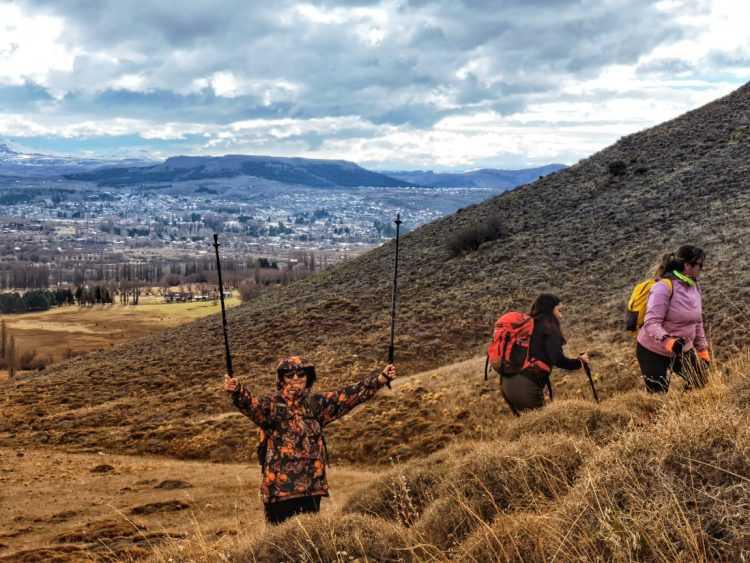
391 349
587 369
227 353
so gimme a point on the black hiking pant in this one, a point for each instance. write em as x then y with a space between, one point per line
655 368
524 391
278 512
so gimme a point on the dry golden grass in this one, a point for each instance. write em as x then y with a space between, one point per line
402 493
316 539
652 479
500 477
65 331
680 491
600 422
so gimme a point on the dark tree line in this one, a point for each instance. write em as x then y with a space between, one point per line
34 300
25 276
96 295
43 299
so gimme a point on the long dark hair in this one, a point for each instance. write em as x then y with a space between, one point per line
543 312
676 261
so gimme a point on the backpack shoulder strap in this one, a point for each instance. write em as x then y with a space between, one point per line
668 283
639 294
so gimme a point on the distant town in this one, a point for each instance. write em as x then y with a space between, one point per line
68 235
66 222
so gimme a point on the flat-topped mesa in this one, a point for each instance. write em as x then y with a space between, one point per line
294 171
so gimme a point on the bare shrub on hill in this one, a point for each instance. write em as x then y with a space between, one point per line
249 290
617 168
26 359
472 237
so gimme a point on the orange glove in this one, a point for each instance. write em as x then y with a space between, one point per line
673 345
704 355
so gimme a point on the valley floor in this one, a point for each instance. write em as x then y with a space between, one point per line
62 506
62 332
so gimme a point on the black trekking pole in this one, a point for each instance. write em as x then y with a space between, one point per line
227 353
391 348
587 369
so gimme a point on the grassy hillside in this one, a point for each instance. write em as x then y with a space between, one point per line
635 478
587 233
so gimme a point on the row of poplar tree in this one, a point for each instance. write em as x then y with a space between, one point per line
43 299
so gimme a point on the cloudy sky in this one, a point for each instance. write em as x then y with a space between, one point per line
442 84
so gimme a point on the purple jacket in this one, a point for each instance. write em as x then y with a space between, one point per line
680 316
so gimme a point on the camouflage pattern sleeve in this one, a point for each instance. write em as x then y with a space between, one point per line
336 404
256 409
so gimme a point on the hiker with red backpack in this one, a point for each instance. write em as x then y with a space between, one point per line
672 336
524 350
292 419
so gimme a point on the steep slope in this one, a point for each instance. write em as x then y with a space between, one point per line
586 233
296 171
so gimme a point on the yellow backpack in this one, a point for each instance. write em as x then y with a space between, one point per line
638 301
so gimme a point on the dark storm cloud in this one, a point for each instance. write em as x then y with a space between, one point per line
423 60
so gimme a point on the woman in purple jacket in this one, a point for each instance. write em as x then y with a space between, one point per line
672 335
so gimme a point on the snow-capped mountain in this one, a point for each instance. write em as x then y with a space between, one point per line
13 162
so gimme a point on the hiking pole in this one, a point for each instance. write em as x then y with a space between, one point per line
587 369
227 353
391 349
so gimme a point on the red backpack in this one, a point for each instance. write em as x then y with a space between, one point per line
508 353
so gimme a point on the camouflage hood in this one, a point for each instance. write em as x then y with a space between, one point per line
294 363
